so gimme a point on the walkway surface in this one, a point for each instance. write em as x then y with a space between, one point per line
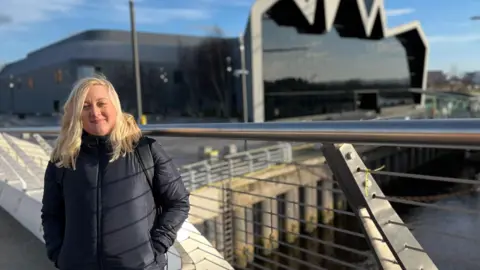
19 248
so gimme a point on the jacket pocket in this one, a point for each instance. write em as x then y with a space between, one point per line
153 248
162 260
59 261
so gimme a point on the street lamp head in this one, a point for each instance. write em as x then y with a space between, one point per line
475 18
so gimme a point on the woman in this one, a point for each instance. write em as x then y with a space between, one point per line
98 210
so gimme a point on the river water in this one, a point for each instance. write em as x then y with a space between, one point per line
451 238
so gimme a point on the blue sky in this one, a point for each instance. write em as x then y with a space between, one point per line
26 25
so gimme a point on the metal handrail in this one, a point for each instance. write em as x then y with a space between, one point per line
440 133
204 172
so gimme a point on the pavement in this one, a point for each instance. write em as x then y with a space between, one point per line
19 248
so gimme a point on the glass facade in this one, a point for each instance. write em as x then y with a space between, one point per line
85 71
307 74
206 73
156 93
198 81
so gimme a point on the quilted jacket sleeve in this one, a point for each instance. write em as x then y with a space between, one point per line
53 213
173 197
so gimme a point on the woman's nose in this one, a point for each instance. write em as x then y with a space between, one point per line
95 111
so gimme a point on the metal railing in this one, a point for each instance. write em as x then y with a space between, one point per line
457 133
205 172
293 214
262 248
437 202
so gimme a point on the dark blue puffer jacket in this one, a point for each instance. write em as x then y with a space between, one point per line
102 215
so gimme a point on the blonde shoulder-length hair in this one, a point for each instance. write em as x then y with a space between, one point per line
123 137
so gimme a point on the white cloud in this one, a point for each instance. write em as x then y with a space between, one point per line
454 38
241 3
235 3
5 19
153 15
19 14
149 12
149 15
399 12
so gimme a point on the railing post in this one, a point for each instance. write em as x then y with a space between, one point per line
394 245
192 178
250 161
208 174
267 157
287 153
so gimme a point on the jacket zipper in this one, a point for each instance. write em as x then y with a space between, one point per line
99 213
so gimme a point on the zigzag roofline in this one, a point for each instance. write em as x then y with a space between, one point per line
368 20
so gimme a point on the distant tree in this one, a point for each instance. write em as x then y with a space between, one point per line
207 69
124 82
189 78
155 99
453 73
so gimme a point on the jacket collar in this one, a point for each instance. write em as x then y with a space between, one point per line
93 140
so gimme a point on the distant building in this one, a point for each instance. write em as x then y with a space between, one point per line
472 78
172 69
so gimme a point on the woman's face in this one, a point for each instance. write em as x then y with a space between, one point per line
98 114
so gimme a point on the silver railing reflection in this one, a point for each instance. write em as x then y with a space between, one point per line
442 133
